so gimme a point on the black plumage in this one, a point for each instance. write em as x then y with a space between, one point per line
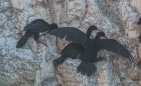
139 22
35 28
91 46
72 50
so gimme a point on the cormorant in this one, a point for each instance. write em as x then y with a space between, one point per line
72 50
35 28
91 47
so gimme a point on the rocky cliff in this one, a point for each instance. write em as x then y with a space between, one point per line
31 65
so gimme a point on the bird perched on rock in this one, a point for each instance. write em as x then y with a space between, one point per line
35 28
91 47
72 50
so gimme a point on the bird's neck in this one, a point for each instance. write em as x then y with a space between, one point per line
98 36
88 33
52 28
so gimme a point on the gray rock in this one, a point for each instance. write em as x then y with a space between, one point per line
31 65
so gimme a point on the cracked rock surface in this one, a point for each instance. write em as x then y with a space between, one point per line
31 65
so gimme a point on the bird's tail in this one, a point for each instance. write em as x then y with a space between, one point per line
86 68
58 61
22 41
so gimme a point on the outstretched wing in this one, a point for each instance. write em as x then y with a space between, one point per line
71 34
38 25
114 46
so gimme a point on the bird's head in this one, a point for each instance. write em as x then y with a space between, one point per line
53 26
101 34
90 29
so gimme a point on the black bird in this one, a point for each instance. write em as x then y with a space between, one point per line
139 22
72 50
35 28
91 47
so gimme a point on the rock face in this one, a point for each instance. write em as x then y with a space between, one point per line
31 65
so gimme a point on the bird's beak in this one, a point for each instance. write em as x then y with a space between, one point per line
43 33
